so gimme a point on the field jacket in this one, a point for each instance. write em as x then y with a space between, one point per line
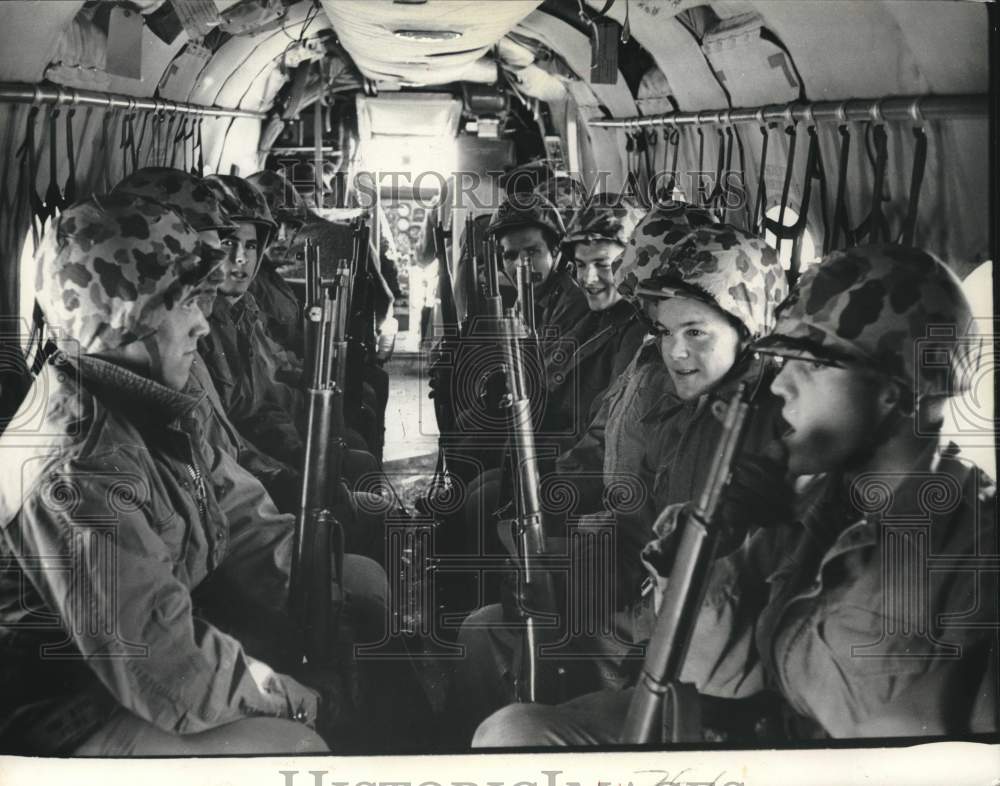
873 615
115 514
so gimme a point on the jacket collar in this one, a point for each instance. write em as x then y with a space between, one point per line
119 386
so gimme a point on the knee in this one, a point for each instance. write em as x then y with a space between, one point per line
365 581
268 736
514 726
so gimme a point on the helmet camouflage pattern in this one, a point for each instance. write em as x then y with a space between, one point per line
736 271
112 268
242 201
652 242
604 217
182 191
285 203
894 309
524 210
565 192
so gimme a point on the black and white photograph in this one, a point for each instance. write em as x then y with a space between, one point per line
499 392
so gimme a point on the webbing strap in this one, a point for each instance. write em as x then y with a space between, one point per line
174 140
757 226
53 194
200 168
29 174
69 192
702 199
795 231
105 133
127 144
142 134
875 227
841 222
778 229
916 181
744 197
814 171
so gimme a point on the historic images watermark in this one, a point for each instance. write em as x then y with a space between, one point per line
485 191
683 777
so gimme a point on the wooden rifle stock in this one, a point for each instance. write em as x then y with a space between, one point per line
682 599
316 581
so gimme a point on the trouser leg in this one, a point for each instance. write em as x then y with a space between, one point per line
591 719
126 734
482 680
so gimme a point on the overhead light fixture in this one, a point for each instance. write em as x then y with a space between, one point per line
428 35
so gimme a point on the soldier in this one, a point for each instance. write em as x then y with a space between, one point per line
529 224
120 490
240 359
622 446
859 639
578 366
280 308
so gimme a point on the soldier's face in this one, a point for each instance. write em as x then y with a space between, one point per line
175 342
698 344
593 272
526 242
831 412
240 263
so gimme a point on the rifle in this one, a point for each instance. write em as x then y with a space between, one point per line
316 583
472 279
682 600
535 579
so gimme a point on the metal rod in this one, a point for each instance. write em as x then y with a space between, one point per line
894 109
23 93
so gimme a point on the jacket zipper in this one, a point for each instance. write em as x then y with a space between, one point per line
199 491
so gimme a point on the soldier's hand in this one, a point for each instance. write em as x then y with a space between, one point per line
760 494
292 699
658 555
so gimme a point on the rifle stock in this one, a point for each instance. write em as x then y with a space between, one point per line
682 599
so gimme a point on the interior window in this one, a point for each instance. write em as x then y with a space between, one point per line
26 290
808 256
969 418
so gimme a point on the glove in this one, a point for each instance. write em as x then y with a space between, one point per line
759 494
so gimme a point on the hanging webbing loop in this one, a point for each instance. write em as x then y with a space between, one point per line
69 191
875 227
701 191
29 174
760 202
178 140
671 138
778 227
53 194
199 168
106 123
917 175
841 221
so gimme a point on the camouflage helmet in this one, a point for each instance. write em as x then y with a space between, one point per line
604 217
735 271
285 203
565 192
180 190
524 210
653 240
112 267
879 306
242 201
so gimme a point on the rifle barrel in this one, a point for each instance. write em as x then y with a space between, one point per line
682 599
